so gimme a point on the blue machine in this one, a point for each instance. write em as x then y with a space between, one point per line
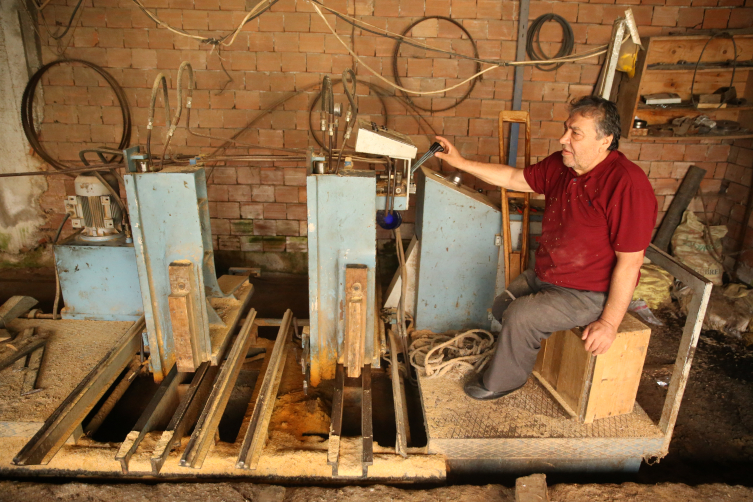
341 232
98 280
458 257
175 262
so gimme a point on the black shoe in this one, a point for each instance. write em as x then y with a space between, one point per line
475 388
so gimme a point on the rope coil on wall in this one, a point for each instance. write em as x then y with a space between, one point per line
534 35
27 110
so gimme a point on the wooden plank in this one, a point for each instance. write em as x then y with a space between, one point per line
356 285
674 49
32 371
550 369
166 398
556 395
257 432
25 343
14 307
575 365
185 416
203 435
678 81
618 372
184 317
229 284
72 411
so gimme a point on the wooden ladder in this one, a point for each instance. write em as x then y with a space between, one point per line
515 261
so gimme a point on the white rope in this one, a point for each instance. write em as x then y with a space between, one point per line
437 355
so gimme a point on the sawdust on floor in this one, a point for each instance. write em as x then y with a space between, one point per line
72 350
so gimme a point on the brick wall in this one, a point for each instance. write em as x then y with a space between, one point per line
260 207
730 210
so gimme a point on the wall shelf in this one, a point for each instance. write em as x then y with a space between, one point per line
714 73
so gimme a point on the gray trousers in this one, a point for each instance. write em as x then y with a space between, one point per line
540 309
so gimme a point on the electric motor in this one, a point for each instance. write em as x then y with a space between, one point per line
94 209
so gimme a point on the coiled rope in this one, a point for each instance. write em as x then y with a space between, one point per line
438 355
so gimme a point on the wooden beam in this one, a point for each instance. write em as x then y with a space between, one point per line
256 435
166 398
72 411
203 435
14 307
32 371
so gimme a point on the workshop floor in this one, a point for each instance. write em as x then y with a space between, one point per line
713 440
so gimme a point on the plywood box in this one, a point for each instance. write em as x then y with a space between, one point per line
591 387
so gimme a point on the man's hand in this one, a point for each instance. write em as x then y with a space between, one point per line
450 154
599 336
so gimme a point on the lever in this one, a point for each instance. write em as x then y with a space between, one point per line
436 147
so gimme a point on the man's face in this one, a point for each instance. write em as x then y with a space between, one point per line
582 149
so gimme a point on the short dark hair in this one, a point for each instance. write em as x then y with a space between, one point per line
604 113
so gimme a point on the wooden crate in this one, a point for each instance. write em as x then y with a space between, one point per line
591 387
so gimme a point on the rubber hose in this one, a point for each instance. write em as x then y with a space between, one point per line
534 33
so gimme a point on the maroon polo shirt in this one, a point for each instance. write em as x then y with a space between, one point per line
587 218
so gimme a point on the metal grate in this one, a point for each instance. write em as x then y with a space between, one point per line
528 413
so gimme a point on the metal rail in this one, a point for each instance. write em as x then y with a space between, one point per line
256 435
203 435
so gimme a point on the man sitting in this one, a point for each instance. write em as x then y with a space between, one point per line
599 215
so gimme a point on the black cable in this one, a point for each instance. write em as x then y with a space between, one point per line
722 34
27 110
70 22
534 32
396 53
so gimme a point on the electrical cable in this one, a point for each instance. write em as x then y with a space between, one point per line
159 81
722 34
70 22
27 109
534 34
396 53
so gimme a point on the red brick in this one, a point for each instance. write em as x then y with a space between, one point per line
660 170
252 211
716 18
247 100
261 42
690 17
296 212
144 58
262 193
217 192
240 193
718 153
665 186
245 61
665 16
272 175
274 211
651 151
268 61
555 91
589 13
319 63
695 153
742 18
224 176
119 18
286 194
228 210
295 176
248 175
220 226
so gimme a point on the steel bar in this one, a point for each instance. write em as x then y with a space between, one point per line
72 411
25 343
164 399
134 368
367 429
517 87
185 416
203 435
401 443
14 307
256 435
32 371
336 424
701 287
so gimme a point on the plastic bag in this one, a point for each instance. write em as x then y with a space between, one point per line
694 248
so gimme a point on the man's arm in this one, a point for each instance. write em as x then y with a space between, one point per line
600 334
499 175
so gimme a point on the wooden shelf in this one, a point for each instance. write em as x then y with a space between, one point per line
678 78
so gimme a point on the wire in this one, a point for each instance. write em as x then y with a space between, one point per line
723 34
437 355
70 22
396 53
27 109
534 33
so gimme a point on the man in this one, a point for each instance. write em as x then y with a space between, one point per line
600 212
